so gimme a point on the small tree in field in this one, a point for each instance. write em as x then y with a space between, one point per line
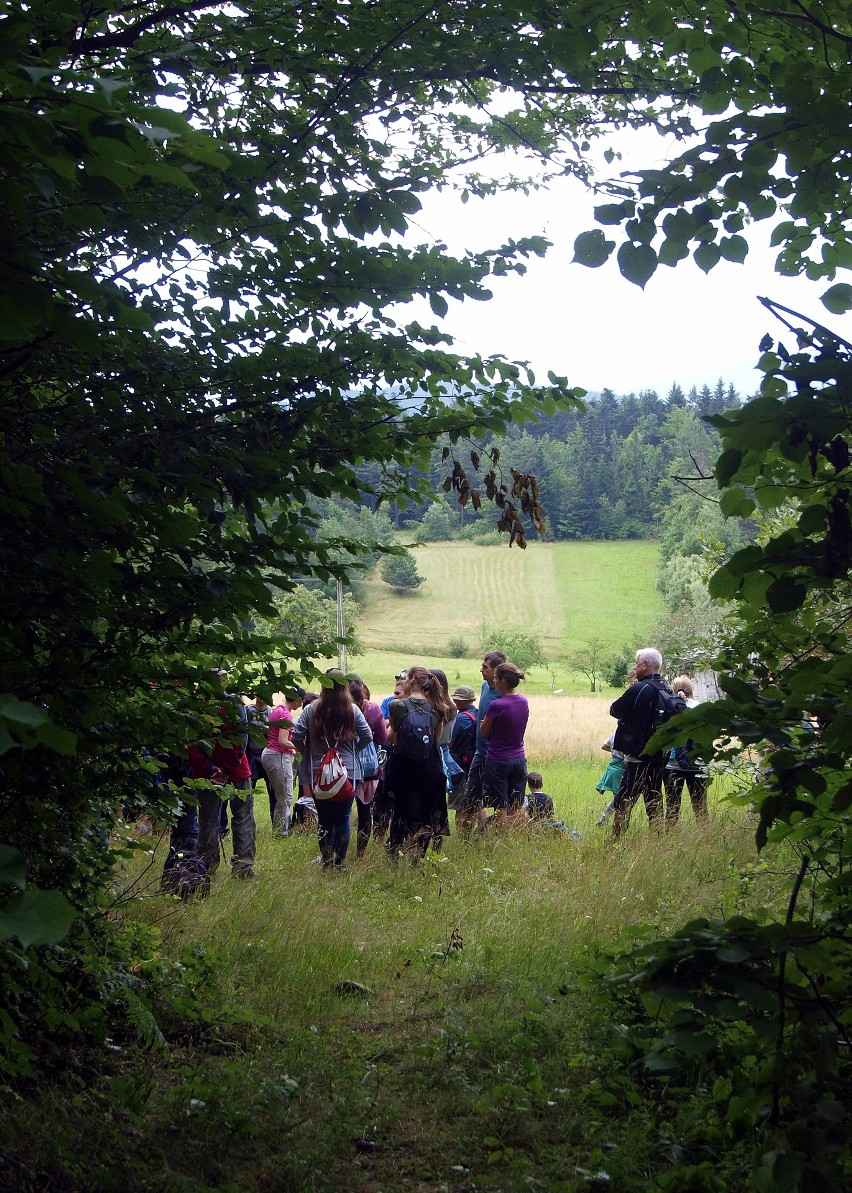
400 571
308 619
517 645
590 661
616 667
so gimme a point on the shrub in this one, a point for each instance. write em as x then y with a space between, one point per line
617 667
517 644
400 571
457 648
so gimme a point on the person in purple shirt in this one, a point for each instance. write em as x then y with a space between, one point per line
469 805
504 775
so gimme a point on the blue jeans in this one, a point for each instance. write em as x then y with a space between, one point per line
333 831
504 781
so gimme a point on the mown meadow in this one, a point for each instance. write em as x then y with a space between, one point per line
565 593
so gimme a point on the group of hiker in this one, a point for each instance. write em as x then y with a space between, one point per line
631 772
405 763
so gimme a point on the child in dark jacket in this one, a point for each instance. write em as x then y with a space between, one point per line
540 806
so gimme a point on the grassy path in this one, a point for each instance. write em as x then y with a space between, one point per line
440 1029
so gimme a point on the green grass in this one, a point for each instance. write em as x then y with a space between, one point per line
566 593
489 1066
347 1046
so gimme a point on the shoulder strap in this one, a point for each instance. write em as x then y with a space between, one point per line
645 685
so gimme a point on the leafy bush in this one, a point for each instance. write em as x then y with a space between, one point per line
308 619
617 666
440 522
457 648
518 645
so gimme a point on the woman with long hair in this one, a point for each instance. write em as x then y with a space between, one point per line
366 789
331 722
504 775
451 767
415 778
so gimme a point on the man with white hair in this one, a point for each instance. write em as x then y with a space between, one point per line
645 705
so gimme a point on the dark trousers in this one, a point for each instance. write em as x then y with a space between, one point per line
242 822
696 785
185 829
642 776
504 782
381 811
419 790
333 831
365 825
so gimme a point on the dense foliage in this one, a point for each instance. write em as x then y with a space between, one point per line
203 265
763 1004
610 472
204 212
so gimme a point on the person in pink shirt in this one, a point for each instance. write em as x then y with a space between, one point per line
277 759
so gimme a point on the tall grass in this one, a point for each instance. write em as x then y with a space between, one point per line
440 1018
432 1027
526 902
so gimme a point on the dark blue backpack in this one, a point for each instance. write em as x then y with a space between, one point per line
463 745
415 736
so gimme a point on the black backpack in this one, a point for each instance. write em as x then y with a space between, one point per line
185 874
669 704
415 735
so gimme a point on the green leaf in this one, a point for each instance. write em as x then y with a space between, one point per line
785 595
838 299
614 213
36 917
736 503
438 304
734 248
13 867
727 465
637 262
592 249
707 254
20 713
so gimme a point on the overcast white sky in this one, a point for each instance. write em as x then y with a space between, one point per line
595 327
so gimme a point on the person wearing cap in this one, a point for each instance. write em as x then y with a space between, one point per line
463 740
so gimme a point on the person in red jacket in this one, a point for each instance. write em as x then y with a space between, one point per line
227 766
